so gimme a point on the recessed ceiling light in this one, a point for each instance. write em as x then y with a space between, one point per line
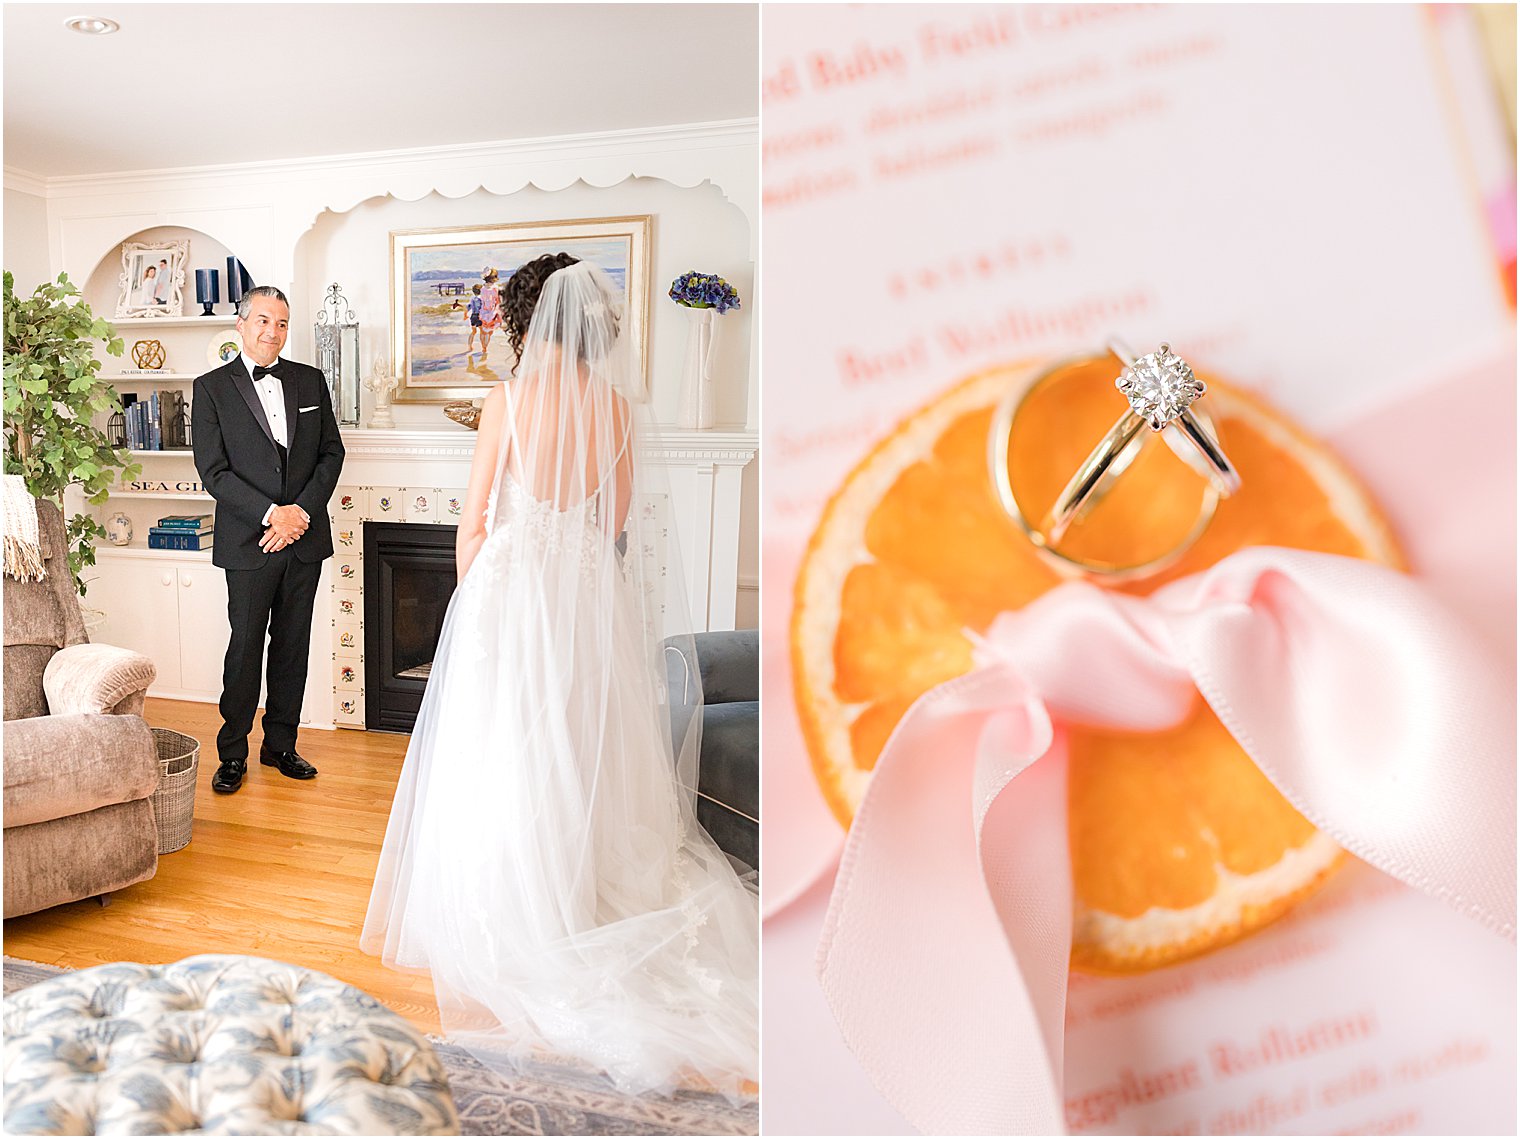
92 25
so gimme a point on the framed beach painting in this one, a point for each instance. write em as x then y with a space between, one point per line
152 279
445 310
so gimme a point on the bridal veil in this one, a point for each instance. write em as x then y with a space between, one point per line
543 860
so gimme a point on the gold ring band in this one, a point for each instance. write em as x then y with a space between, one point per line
998 443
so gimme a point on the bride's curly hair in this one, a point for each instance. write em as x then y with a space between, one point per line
519 296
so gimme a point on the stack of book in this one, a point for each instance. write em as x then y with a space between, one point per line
157 423
181 532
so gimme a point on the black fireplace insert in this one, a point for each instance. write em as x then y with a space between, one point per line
408 580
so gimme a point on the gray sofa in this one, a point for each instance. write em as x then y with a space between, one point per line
728 786
80 762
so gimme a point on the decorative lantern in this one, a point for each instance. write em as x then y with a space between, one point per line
177 428
337 341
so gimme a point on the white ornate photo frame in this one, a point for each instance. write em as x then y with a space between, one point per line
152 281
430 371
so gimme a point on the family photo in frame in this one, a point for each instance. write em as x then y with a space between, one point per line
152 279
446 287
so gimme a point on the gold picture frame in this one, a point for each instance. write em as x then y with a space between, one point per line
438 340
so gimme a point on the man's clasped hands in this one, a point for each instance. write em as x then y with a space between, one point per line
286 524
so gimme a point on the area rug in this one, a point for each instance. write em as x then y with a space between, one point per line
549 1100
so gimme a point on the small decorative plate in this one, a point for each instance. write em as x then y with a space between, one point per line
224 347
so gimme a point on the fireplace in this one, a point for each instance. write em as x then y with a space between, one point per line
408 579
413 481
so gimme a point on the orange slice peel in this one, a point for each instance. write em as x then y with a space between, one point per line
1178 843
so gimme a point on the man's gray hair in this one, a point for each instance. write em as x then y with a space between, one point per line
260 291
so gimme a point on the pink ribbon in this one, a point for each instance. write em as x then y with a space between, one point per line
944 955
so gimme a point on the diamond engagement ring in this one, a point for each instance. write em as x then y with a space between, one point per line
1161 389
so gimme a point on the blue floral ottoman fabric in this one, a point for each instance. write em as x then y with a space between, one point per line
219 1045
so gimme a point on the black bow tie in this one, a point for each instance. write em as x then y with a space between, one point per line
259 372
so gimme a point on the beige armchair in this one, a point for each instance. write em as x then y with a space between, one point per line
80 763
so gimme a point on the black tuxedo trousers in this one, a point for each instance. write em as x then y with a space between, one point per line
268 595
276 598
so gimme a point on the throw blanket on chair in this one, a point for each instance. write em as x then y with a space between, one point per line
23 546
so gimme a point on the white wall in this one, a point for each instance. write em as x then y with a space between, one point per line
694 228
26 240
691 228
747 612
305 223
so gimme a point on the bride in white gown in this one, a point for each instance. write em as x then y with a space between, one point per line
543 859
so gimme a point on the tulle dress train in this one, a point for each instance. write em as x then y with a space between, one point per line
542 860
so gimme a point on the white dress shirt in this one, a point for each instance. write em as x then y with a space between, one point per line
271 393
272 396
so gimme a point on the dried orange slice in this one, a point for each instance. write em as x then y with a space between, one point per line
1178 843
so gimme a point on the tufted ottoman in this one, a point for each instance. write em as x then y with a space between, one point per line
216 1044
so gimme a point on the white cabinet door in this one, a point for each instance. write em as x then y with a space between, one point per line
203 630
140 597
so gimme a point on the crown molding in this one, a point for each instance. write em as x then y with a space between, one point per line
25 181
284 199
689 137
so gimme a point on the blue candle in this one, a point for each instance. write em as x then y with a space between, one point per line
206 290
235 273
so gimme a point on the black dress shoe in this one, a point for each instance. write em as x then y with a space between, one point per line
289 763
229 775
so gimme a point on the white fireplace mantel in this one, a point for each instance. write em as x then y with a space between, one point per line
420 476
426 447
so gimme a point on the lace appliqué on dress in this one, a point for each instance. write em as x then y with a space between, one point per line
544 530
695 918
525 533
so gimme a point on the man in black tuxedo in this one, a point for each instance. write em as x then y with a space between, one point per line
268 450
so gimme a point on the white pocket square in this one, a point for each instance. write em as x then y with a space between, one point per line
313 407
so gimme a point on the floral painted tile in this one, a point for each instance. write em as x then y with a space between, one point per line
350 709
422 505
348 505
389 503
348 639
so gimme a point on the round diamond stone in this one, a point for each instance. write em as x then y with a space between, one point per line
1159 387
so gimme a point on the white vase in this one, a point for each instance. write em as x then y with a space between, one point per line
696 409
119 529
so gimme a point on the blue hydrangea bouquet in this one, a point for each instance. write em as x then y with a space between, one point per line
704 290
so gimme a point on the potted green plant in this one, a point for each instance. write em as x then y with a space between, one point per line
54 395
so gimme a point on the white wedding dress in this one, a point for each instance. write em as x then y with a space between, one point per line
543 860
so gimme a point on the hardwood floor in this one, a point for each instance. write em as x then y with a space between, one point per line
281 869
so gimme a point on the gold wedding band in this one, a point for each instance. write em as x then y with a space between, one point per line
998 444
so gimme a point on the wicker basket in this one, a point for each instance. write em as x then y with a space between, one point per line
174 801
